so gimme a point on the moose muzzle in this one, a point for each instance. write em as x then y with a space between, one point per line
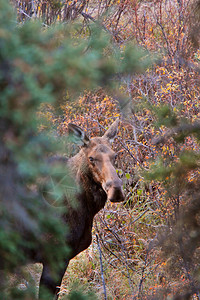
113 189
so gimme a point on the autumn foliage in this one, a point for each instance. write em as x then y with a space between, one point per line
150 243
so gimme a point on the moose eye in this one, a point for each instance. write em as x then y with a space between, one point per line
91 159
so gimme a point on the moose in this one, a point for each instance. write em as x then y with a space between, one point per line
95 174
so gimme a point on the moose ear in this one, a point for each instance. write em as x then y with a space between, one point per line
77 135
112 131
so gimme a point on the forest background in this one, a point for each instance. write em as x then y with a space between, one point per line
149 243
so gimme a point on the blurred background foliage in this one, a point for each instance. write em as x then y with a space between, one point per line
150 243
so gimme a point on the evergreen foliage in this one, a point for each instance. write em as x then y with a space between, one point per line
179 240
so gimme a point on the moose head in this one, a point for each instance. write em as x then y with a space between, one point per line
100 159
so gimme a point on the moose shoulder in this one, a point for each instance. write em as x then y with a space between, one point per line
94 172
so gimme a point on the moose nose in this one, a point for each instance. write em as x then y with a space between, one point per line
116 184
114 190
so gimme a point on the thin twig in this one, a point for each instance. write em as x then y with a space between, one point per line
23 12
182 129
101 266
33 5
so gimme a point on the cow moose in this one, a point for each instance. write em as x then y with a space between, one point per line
95 174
